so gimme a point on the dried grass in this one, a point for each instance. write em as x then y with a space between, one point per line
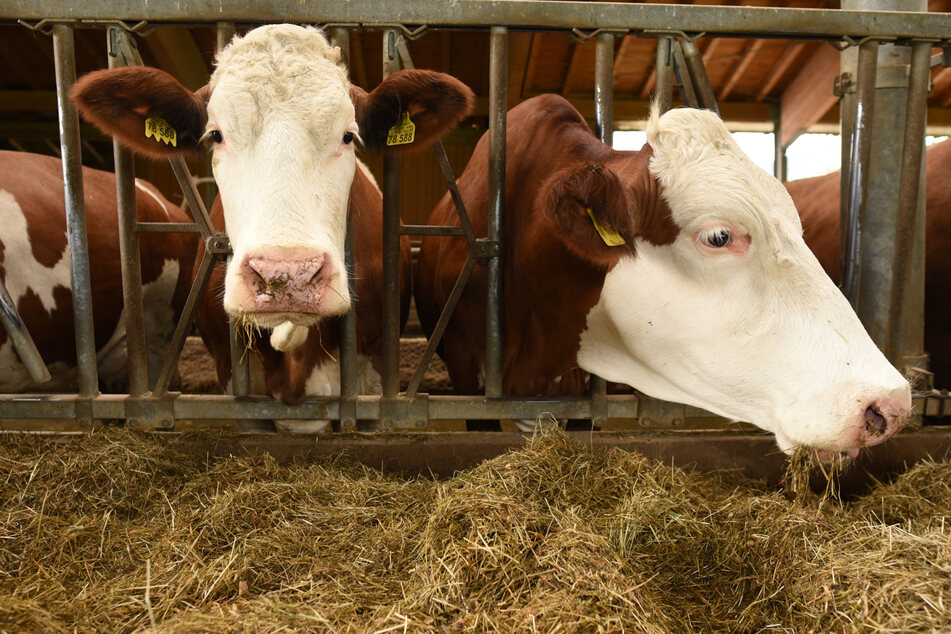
121 533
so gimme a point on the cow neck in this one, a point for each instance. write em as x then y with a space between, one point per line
655 221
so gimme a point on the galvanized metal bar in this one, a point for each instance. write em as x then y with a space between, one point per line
908 197
549 14
440 328
19 336
779 150
65 62
224 31
391 243
119 42
698 76
858 159
348 323
196 206
464 223
240 370
687 92
202 275
664 82
167 227
498 103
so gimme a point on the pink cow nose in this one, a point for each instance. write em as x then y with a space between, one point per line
881 419
285 284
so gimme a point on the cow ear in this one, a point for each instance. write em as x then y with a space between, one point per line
410 109
146 109
589 210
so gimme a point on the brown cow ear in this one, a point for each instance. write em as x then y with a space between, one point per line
146 109
410 110
588 209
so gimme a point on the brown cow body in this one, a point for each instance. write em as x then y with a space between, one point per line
35 269
817 200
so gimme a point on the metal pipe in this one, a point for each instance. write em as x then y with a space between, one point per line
779 150
908 193
687 93
664 83
65 62
19 336
604 88
240 370
858 159
498 100
118 40
698 76
223 34
391 243
830 24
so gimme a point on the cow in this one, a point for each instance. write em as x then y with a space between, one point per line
35 267
817 200
282 121
679 270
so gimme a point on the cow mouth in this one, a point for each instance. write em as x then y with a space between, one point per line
828 455
264 319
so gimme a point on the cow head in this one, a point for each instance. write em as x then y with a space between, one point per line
717 301
282 122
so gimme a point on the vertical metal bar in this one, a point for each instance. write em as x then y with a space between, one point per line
348 323
117 39
240 371
859 159
20 337
604 88
908 193
698 76
391 244
65 61
687 92
223 34
779 150
498 100
664 83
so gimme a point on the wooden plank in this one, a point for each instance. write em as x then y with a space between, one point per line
520 47
809 96
791 54
176 52
737 73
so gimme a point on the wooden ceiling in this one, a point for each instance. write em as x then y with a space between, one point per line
750 77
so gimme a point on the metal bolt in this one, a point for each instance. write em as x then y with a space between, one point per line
348 423
387 423
133 422
420 423
166 422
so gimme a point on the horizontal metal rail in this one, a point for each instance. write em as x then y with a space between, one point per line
527 14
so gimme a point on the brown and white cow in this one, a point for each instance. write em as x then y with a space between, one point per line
713 299
282 119
34 264
817 200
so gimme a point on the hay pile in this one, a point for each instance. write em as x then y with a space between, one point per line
120 533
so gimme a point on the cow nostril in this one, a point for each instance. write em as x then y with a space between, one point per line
875 423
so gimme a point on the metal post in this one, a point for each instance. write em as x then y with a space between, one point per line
117 41
664 83
348 323
391 243
498 100
65 60
779 150
687 93
698 76
224 33
858 162
20 337
908 201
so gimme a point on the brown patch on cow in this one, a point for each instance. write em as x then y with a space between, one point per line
119 100
436 103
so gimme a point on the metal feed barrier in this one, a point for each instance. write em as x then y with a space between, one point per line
154 407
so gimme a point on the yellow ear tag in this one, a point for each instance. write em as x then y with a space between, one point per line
161 129
611 237
403 132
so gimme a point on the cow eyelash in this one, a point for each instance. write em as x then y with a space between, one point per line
212 135
715 238
348 137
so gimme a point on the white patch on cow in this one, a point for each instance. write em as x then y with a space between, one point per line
282 104
23 272
762 336
143 187
366 172
325 381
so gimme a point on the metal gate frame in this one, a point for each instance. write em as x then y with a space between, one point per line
158 408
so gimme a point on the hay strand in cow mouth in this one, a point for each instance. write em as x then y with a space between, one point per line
120 529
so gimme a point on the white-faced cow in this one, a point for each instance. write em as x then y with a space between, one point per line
679 270
817 200
282 120
34 264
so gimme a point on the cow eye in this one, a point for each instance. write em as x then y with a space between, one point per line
348 137
215 136
716 238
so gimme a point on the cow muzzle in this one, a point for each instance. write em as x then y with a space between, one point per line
291 284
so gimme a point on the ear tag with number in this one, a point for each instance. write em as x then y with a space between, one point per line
161 129
611 237
403 132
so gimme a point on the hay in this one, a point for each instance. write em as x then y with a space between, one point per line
121 533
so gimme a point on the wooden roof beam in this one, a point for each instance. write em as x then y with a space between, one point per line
793 49
809 96
752 50
176 52
520 47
